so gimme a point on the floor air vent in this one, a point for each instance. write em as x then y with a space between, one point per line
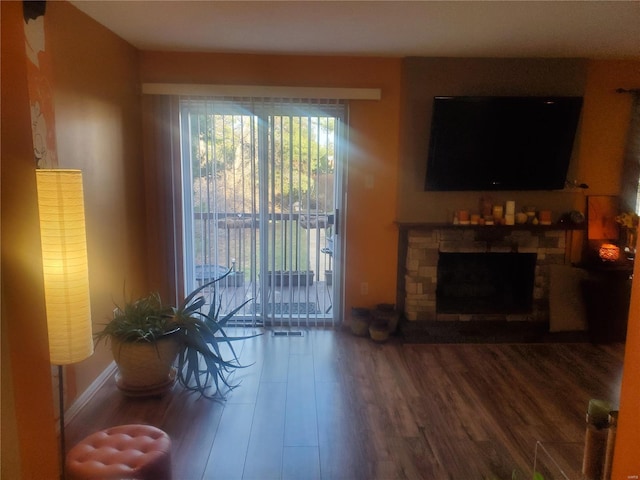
287 334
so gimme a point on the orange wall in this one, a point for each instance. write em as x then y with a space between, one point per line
24 331
98 124
371 251
626 459
97 112
606 118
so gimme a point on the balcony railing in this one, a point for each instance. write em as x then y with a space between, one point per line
299 275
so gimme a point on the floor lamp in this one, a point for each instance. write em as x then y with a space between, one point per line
66 278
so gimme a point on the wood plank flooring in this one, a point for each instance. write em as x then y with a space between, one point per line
329 405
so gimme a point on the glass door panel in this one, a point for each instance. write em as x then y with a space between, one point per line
259 200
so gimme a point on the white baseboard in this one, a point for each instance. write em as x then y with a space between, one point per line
89 393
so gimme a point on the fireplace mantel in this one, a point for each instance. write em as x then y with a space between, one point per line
502 228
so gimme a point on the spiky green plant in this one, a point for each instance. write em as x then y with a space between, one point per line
201 365
201 362
145 319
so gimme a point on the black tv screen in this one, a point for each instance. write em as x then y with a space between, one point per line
501 143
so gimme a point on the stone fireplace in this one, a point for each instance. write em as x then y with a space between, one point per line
459 273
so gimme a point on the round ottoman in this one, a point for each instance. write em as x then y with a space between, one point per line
140 452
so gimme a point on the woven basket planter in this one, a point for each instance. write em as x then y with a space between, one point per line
379 331
145 365
387 313
359 321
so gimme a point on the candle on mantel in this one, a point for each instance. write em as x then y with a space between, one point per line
510 207
545 217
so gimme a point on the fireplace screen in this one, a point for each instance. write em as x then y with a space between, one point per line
500 283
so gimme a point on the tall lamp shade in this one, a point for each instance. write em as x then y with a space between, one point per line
64 259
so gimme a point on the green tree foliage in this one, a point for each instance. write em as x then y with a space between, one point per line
224 162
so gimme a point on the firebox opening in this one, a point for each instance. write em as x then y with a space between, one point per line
500 283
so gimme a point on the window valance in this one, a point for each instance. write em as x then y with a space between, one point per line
257 91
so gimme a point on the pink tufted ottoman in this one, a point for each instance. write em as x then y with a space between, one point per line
140 452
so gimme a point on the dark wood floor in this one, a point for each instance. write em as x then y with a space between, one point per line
330 405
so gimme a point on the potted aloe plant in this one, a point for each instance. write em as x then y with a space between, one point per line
154 344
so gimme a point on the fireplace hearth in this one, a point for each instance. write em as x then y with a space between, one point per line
485 283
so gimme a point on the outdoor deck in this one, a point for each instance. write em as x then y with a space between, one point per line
285 305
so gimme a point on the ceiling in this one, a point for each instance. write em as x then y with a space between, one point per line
589 29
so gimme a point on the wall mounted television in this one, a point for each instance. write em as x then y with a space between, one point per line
501 143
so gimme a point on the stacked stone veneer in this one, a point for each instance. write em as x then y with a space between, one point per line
421 274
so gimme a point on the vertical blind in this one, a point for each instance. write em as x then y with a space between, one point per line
258 192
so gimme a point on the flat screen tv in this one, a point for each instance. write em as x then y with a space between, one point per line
501 143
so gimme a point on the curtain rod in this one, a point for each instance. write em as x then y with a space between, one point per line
628 90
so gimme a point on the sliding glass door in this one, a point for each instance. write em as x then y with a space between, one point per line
259 192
